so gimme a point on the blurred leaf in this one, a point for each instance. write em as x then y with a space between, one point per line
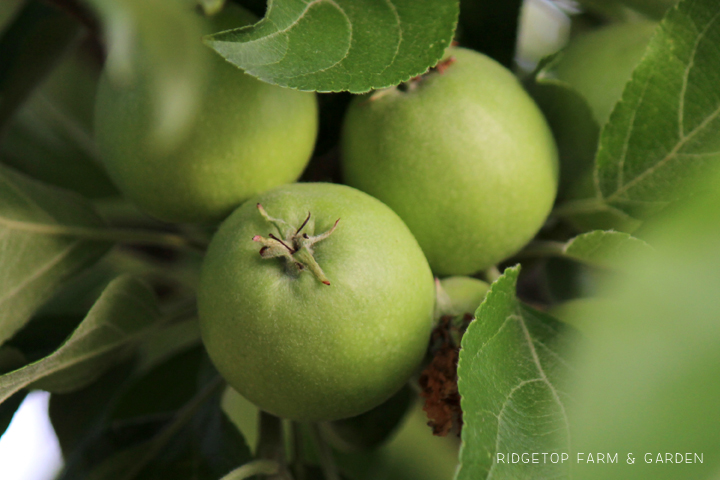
163 389
125 311
510 376
651 8
330 46
605 248
110 440
162 344
79 416
666 128
50 136
29 49
8 11
158 42
490 27
567 279
573 124
649 370
35 261
198 443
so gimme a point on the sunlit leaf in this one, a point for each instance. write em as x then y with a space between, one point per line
605 248
666 128
511 375
35 262
124 312
330 46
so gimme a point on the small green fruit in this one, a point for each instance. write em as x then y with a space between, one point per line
465 293
249 137
310 318
463 155
598 64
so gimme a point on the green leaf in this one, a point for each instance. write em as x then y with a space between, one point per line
199 442
666 128
108 442
158 42
124 312
50 137
331 46
35 262
29 49
80 415
510 377
165 388
8 10
648 372
163 344
573 124
605 248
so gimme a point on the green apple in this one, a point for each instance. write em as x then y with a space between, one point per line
249 137
599 63
315 302
462 154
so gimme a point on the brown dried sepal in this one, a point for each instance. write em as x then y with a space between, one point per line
439 379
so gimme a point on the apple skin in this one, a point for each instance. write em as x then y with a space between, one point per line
303 350
249 137
465 158
598 64
465 293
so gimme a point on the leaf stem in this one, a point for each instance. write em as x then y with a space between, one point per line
327 463
256 467
119 235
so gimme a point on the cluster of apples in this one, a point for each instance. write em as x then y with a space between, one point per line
317 300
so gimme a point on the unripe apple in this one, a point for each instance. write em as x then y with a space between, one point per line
462 154
249 137
599 63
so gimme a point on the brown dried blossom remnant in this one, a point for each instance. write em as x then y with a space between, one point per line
439 379
440 68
